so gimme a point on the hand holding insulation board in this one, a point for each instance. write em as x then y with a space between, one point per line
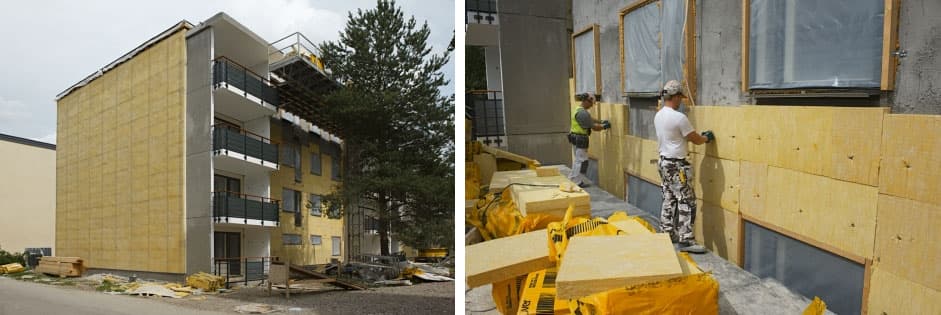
600 263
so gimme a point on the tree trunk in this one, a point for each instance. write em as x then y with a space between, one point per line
383 220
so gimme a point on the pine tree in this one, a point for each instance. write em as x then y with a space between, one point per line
397 127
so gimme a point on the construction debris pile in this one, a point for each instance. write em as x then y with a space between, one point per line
614 265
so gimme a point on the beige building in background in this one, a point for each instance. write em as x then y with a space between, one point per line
28 191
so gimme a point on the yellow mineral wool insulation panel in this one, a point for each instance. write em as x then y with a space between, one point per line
639 158
891 294
833 212
595 264
754 183
499 180
610 169
529 181
545 171
726 122
907 237
716 180
552 201
840 143
911 158
631 226
507 257
718 230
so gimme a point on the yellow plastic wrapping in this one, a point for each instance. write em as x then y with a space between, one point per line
497 217
538 296
506 294
816 307
471 181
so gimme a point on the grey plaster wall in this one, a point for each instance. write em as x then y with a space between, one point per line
918 80
535 59
198 158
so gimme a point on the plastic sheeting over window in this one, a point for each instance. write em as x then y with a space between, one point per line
585 63
815 44
653 45
805 269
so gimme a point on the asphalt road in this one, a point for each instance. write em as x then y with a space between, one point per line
20 297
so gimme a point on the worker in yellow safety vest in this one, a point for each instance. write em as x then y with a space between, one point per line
582 125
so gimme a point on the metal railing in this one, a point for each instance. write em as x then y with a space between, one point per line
243 269
485 110
480 11
233 207
296 44
233 138
224 70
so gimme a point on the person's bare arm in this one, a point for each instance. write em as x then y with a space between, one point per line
696 138
597 127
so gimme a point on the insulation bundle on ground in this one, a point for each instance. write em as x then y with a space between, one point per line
11 268
61 266
205 281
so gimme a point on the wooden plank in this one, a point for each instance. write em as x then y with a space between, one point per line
746 24
61 259
891 294
689 66
833 212
600 263
907 240
716 181
911 157
867 278
717 229
551 201
634 6
890 43
598 86
506 258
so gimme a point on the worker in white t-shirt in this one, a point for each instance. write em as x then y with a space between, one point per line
678 213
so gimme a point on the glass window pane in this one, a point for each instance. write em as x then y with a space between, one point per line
336 245
585 63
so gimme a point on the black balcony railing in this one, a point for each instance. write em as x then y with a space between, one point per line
480 11
232 207
485 110
229 72
232 138
243 269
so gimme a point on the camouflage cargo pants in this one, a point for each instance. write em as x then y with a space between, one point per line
678 214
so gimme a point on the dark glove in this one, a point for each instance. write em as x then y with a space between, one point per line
709 136
605 124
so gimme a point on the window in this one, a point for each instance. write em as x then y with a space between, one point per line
644 195
335 167
587 60
316 208
291 199
316 165
653 45
804 268
333 211
316 240
291 239
336 245
813 44
288 155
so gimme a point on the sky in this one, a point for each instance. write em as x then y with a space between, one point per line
49 45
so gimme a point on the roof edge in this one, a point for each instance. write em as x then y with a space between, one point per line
182 25
29 142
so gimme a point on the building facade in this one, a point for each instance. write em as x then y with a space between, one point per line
29 200
176 157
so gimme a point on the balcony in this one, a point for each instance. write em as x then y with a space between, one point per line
485 110
238 208
480 12
241 151
241 93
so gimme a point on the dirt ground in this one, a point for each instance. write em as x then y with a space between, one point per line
421 298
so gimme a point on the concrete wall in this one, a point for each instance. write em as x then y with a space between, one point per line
28 194
535 57
310 184
918 81
199 120
119 202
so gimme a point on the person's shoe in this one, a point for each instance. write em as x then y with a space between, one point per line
690 247
583 184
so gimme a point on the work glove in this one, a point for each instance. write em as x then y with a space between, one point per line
709 136
605 124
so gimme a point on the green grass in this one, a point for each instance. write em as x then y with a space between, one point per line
108 286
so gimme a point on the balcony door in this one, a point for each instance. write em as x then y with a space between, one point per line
229 245
231 185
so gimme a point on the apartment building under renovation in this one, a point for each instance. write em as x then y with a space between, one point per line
202 150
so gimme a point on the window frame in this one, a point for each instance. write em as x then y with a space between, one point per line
689 50
319 163
297 200
319 240
890 60
336 246
299 238
319 205
594 28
